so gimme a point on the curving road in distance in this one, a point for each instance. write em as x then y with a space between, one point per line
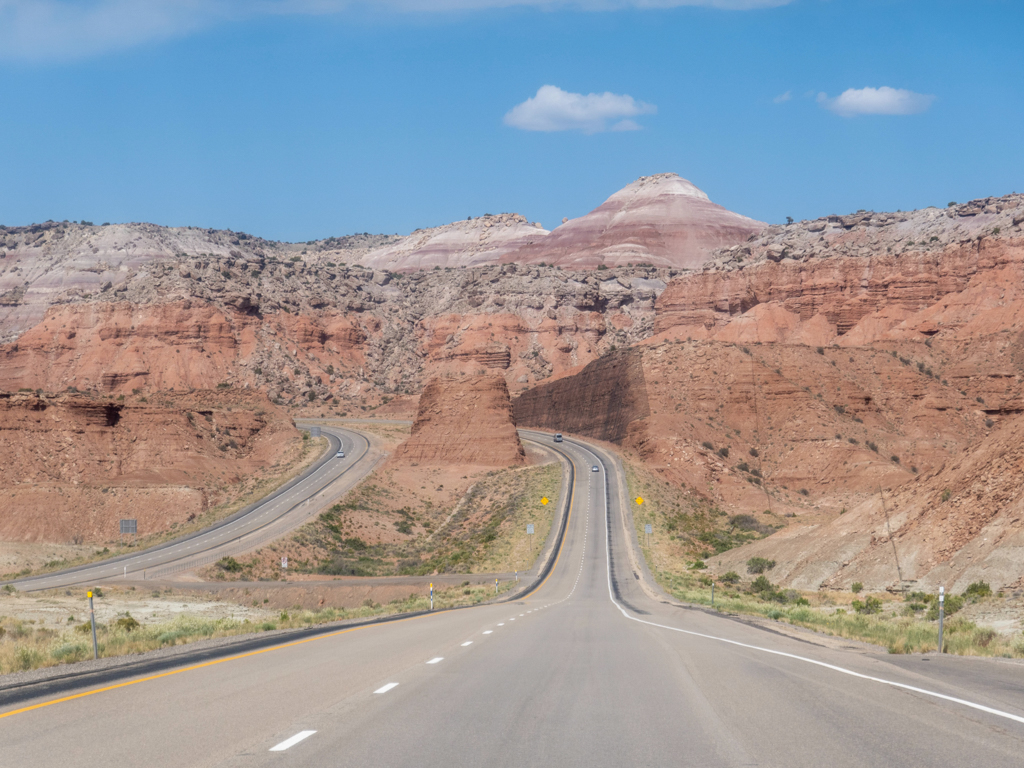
285 509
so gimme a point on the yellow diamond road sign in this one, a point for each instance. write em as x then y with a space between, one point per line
544 500
639 500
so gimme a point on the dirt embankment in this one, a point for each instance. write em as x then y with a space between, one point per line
71 465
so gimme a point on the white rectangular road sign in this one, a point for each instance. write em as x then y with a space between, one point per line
648 528
529 528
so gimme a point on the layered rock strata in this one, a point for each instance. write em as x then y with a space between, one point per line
661 220
463 421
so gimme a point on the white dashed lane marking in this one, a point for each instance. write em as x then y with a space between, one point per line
436 659
386 688
300 736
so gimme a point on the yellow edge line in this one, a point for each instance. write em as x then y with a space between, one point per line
572 494
204 664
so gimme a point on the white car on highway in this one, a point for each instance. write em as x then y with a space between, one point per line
339 455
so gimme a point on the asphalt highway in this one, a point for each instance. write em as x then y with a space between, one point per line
588 670
285 509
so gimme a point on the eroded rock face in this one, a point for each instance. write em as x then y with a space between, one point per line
950 528
71 466
463 421
662 220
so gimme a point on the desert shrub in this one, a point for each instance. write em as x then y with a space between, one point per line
870 605
731 577
856 587
840 409
989 423
804 492
766 590
708 445
872 446
127 623
70 652
978 590
820 350
229 564
754 453
953 604
743 466
723 452
946 494
759 565
27 658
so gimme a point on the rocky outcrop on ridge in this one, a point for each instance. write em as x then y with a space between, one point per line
463 421
469 243
661 220
348 333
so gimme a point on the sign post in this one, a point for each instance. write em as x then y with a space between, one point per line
284 562
495 586
942 608
648 530
431 595
712 594
92 620
130 527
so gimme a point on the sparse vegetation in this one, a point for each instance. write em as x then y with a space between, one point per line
759 565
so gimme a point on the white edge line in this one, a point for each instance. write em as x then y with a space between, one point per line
300 736
386 688
833 667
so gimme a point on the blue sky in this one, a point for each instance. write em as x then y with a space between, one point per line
301 119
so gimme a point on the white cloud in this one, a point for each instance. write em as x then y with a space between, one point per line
553 109
784 97
876 101
44 30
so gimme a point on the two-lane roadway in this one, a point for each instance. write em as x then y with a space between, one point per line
587 670
285 509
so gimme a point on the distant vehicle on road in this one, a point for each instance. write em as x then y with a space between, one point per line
595 468
339 455
558 437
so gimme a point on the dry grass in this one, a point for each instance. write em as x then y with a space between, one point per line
24 646
688 528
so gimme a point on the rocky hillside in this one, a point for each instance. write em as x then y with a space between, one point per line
469 243
463 421
310 333
825 361
72 465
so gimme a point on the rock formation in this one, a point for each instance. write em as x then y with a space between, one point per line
469 243
464 421
662 220
72 465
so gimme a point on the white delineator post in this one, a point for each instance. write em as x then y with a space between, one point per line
942 610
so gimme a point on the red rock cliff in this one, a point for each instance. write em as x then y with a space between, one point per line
465 421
